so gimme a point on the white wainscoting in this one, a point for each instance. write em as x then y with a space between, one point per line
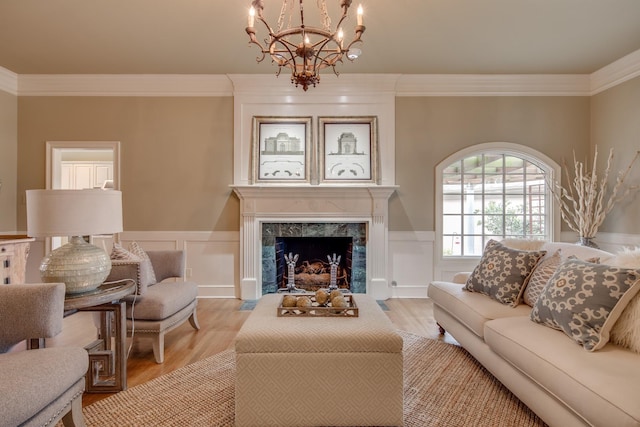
213 258
410 263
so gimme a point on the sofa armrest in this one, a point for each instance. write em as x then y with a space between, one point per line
167 264
461 278
30 311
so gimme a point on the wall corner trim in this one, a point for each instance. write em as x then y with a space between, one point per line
8 81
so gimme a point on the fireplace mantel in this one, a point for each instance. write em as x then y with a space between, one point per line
314 203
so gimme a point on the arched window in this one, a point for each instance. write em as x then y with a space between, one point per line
493 191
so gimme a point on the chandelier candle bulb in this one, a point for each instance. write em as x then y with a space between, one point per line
252 16
360 14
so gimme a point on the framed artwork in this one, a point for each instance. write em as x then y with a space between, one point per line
281 149
348 149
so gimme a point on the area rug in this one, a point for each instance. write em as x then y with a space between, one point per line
443 386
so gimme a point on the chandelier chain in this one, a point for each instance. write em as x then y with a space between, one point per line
326 20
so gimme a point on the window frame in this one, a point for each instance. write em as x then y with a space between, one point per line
548 165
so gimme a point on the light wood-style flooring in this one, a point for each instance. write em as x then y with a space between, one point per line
220 320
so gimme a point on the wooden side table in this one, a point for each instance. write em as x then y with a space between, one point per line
14 251
107 355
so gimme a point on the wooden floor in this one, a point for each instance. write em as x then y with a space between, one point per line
220 320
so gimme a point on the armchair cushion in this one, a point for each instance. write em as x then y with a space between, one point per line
162 300
33 379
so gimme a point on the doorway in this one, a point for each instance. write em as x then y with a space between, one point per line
74 165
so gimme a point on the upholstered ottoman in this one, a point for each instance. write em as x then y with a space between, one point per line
318 371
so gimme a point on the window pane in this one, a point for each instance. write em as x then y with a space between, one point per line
453 168
452 224
492 195
452 205
451 245
473 245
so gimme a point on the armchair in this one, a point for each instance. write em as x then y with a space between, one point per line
38 387
161 306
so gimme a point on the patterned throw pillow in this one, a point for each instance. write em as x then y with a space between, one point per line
503 272
137 250
540 276
120 253
584 300
136 254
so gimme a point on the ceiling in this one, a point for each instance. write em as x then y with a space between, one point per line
402 36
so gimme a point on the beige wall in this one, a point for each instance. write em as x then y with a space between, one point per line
616 124
429 129
176 155
8 164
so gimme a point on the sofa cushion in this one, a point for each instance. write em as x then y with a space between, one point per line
470 308
162 300
503 272
584 300
32 379
589 383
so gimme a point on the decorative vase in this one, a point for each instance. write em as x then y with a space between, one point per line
587 241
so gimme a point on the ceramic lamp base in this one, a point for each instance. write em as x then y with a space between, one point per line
82 267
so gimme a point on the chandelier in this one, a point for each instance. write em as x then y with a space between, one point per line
304 49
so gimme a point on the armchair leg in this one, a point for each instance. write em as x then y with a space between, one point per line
193 319
158 348
74 417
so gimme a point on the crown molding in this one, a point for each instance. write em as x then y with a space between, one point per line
124 85
8 81
609 76
493 85
625 68
329 82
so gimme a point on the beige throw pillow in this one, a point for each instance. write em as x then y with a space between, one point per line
626 331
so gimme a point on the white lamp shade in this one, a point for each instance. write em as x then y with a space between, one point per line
52 213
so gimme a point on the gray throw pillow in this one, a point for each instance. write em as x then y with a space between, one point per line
503 272
584 300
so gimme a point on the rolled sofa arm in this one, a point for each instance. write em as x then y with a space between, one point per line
461 277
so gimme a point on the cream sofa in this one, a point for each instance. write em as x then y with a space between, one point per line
558 379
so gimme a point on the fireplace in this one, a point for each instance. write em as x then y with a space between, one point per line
314 259
356 212
313 241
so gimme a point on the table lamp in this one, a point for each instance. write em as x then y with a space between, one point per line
81 266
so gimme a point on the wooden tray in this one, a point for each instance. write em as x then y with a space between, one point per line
316 310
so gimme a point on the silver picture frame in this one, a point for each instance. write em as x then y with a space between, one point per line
348 149
281 149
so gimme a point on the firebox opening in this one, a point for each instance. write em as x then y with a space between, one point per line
313 270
